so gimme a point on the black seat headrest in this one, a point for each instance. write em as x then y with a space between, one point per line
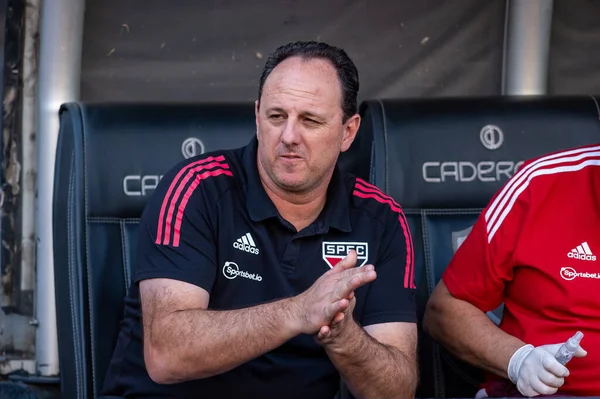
456 153
129 146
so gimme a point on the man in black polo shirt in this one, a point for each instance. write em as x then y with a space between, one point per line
266 272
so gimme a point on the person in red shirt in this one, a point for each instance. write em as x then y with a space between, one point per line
533 248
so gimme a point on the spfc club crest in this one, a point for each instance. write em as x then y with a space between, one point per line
333 252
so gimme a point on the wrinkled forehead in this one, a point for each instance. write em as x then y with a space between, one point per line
299 83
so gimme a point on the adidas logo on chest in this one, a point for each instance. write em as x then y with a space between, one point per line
582 252
246 243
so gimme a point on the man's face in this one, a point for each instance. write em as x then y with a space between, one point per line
299 124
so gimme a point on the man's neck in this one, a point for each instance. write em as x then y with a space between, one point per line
300 209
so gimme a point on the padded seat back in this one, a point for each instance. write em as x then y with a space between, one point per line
109 159
443 160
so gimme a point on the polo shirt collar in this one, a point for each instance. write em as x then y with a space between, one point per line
336 213
260 206
337 208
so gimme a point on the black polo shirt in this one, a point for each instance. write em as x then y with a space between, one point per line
211 223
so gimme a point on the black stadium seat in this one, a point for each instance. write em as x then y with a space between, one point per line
109 159
442 160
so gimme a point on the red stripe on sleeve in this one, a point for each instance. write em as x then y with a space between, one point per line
366 190
186 197
177 185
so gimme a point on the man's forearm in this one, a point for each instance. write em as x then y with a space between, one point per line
371 369
469 334
203 343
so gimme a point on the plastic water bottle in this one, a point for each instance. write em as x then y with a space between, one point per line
568 349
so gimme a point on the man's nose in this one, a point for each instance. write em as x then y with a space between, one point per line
291 132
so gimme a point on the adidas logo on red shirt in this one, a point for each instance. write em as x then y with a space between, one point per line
582 252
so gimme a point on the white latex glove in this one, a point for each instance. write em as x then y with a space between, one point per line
535 371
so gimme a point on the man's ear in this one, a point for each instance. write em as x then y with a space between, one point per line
350 129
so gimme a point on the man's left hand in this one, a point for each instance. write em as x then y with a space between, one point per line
341 325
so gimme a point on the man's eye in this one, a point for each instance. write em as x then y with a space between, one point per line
275 116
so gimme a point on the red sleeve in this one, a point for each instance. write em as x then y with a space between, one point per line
483 264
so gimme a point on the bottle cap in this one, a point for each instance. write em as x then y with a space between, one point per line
573 342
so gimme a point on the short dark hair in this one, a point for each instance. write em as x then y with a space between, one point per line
346 70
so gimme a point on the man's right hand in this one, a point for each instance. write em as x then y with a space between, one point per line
535 371
331 294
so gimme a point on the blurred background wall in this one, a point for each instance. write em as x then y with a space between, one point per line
214 50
